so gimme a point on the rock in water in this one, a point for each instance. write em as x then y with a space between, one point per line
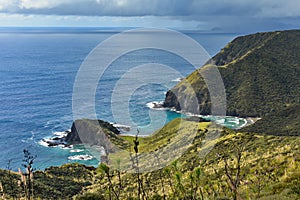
93 132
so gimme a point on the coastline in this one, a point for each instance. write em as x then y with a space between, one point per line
159 106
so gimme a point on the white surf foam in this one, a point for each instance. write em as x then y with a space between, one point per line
66 146
244 124
156 105
220 121
81 157
177 80
61 134
43 143
76 150
122 128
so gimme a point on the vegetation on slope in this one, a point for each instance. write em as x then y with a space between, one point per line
239 166
282 122
268 169
261 75
199 160
53 183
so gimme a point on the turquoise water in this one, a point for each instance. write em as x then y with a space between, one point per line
37 72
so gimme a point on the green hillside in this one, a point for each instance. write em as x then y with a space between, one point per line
195 159
262 166
268 166
261 75
285 121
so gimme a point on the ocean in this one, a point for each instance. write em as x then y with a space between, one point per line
38 68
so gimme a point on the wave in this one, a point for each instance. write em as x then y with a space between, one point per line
57 140
31 138
226 121
81 157
244 124
66 146
220 121
61 134
177 80
122 128
155 105
54 141
76 150
186 113
43 143
237 120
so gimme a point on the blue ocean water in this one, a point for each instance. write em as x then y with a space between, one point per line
37 73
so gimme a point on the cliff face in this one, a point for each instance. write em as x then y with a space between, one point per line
73 136
93 132
187 94
171 101
261 75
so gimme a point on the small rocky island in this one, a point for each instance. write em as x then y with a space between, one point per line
89 132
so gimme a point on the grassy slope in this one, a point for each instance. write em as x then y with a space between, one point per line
273 161
166 135
261 74
168 143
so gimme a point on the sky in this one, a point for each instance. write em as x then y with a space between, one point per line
203 15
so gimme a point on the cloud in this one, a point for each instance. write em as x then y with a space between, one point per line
230 15
6 5
187 8
287 8
40 4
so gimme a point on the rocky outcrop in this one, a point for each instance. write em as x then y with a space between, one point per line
93 132
189 96
171 101
88 131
